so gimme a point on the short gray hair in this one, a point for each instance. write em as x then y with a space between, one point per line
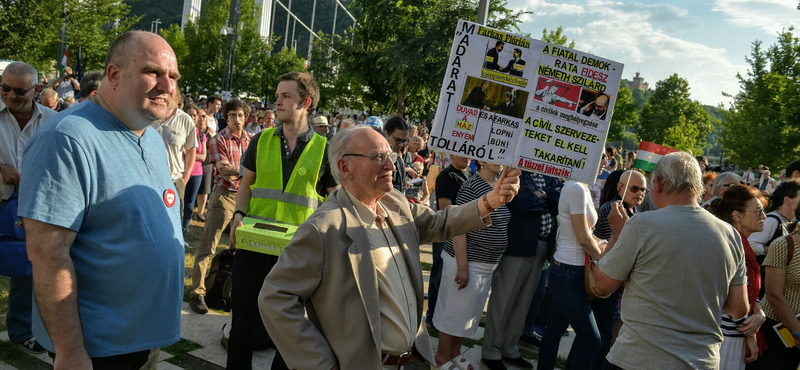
722 179
22 69
679 172
48 92
340 144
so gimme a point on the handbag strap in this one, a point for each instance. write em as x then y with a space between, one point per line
789 250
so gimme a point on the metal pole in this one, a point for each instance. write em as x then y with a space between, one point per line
286 35
311 38
335 11
483 11
294 26
272 24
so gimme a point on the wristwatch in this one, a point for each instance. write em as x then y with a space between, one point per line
239 212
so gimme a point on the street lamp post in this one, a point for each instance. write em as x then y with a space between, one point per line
232 35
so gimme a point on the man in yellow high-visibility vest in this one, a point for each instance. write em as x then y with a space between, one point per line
286 176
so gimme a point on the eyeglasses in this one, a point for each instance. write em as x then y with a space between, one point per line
402 141
635 189
380 158
729 185
234 115
17 90
758 211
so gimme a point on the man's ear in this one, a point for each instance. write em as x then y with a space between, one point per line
342 166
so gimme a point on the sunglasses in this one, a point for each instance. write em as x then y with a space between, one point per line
635 189
402 141
17 90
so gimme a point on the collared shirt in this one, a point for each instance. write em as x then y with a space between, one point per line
395 289
13 140
289 159
225 147
178 133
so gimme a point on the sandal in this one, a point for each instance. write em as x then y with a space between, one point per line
462 363
200 218
446 366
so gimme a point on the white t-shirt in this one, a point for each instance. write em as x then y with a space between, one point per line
211 122
178 133
575 200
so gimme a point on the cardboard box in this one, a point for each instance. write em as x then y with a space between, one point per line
263 236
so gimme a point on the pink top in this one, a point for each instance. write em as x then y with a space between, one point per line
198 165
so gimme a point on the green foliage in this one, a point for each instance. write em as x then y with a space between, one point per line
408 42
338 88
557 37
624 114
671 118
762 125
31 30
202 51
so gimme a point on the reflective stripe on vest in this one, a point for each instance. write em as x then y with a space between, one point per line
298 201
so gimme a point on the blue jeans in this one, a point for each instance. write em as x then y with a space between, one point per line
570 306
434 280
189 197
20 305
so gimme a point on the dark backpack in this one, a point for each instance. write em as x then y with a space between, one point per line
220 281
779 231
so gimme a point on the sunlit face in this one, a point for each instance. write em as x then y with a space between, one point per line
721 190
398 139
148 82
289 104
269 120
365 174
634 188
193 113
751 220
20 104
236 118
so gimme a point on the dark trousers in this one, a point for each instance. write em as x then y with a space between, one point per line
434 280
610 366
249 271
777 356
128 361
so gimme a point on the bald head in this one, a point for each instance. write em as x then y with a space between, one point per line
119 51
633 186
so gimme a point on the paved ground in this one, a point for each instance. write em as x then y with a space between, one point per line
206 330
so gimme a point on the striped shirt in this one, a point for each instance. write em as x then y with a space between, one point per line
227 148
484 245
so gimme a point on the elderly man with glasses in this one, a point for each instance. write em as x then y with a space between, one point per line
354 265
20 118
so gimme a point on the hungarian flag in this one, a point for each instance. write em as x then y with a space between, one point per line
649 154
65 59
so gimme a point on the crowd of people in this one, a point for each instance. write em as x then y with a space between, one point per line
683 267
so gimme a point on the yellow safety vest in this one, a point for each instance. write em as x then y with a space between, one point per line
293 205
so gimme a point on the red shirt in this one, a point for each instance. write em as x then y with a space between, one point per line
225 147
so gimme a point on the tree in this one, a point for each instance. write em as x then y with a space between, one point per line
671 118
762 124
407 41
201 53
338 89
624 114
557 37
31 30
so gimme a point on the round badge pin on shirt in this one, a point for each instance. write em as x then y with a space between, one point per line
169 198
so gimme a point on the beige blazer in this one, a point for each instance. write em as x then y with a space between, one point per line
328 271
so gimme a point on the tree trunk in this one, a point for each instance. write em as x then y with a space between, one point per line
401 98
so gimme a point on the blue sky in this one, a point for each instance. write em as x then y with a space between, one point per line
704 41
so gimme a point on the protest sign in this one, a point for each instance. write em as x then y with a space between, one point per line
521 102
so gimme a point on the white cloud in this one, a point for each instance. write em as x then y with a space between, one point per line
768 15
644 37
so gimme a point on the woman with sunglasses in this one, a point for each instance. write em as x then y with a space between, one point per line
468 262
742 207
720 184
